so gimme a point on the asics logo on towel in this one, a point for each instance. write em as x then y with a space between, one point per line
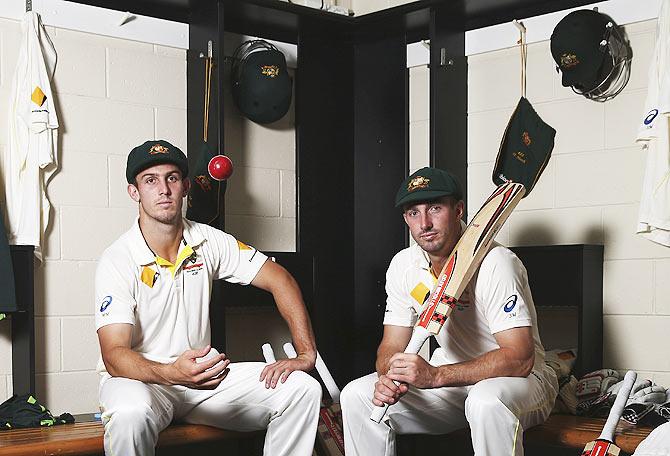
510 304
107 300
651 115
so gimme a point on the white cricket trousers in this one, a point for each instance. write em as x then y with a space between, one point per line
134 413
497 410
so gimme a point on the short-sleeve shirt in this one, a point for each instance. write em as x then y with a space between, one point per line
168 304
497 298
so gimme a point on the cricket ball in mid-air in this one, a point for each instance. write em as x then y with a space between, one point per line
220 167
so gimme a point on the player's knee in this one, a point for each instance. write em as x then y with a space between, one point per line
132 418
483 403
307 386
355 392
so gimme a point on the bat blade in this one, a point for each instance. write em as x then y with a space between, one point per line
604 444
329 430
460 266
468 253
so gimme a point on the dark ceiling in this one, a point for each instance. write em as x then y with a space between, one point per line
274 19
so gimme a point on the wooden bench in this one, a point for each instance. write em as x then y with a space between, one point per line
558 432
86 439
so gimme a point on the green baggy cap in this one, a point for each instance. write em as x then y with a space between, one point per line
151 153
427 184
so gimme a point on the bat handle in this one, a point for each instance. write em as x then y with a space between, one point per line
268 353
617 408
419 336
289 350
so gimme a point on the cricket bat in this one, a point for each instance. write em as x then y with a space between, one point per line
461 265
604 445
329 430
268 353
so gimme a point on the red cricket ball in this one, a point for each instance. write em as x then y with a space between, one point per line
220 167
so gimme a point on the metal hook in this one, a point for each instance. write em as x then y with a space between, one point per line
209 51
29 5
519 25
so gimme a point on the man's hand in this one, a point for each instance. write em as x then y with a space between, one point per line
207 374
387 392
279 371
414 370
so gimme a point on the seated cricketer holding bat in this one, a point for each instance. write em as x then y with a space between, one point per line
152 316
488 372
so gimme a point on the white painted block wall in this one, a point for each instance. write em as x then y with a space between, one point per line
589 192
113 94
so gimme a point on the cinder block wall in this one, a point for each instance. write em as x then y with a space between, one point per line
589 193
113 94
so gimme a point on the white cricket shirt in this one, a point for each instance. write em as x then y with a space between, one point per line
654 134
497 298
30 159
168 305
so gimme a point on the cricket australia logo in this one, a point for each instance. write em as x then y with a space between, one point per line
569 60
418 183
158 149
271 71
204 182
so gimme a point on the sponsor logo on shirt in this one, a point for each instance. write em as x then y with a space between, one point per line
242 246
510 304
106 302
651 115
193 269
38 97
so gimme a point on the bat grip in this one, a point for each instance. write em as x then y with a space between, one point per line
617 408
419 336
268 353
289 350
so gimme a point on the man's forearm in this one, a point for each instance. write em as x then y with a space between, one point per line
383 359
292 308
125 362
501 362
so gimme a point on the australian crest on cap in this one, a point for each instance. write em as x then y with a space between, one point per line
569 60
417 183
158 149
271 71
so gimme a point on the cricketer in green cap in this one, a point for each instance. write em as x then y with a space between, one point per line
151 153
428 184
